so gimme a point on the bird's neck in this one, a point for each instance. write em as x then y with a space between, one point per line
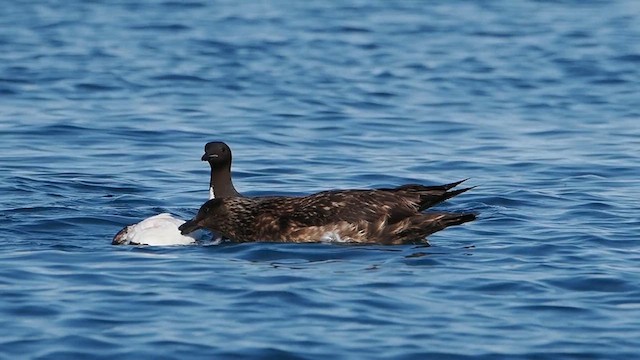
221 184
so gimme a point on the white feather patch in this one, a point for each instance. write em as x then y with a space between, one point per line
333 237
159 230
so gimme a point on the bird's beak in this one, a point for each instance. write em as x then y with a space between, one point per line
189 227
208 157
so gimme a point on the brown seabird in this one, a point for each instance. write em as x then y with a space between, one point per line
383 216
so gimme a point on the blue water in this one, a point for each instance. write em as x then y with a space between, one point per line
105 108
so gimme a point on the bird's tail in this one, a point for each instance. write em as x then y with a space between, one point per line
423 225
432 195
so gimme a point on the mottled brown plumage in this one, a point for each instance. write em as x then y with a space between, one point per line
384 216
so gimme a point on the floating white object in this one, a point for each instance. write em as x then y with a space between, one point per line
158 230
162 229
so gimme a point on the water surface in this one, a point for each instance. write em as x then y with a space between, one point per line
105 108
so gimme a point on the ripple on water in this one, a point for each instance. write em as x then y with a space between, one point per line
103 125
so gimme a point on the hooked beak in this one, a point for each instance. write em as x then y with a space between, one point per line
208 157
189 227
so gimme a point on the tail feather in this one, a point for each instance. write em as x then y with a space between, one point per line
433 222
454 184
432 198
429 196
429 201
417 187
423 225
457 219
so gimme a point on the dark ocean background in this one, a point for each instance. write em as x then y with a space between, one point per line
105 109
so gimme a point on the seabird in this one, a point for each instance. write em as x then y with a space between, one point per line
218 155
162 229
157 230
382 216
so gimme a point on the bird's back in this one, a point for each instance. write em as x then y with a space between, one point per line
345 214
388 216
